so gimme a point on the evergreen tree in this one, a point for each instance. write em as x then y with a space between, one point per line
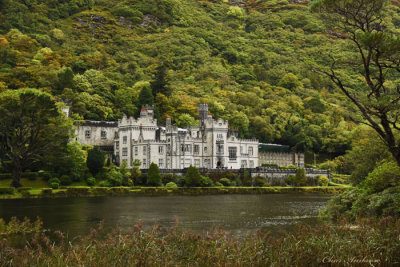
95 160
301 178
192 177
159 85
153 176
145 97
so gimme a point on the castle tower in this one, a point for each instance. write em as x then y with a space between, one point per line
203 113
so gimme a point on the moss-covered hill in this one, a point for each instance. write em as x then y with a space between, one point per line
252 61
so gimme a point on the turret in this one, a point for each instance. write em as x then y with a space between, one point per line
203 113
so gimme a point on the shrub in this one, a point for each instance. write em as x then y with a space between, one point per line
291 180
46 176
114 177
225 181
384 176
7 190
260 181
192 177
54 185
153 176
104 184
32 176
95 160
91 181
301 178
54 180
181 181
322 180
205 181
166 178
218 184
171 185
65 180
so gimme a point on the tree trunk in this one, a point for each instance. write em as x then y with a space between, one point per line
16 177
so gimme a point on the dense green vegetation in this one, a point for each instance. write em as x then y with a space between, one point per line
253 64
371 243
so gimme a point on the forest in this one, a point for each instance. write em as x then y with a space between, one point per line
253 62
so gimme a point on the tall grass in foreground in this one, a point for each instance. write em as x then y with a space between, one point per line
375 242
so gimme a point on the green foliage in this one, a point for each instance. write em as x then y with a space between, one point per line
32 130
65 180
54 180
218 184
291 180
95 160
225 182
300 178
54 185
126 174
33 176
153 175
192 177
260 181
385 176
91 181
114 177
171 185
105 184
206 181
322 180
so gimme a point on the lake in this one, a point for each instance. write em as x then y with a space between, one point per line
239 214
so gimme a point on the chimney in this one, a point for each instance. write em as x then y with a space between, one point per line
168 121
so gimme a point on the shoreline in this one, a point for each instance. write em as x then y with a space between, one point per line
86 191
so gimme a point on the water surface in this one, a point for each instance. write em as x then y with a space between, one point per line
237 213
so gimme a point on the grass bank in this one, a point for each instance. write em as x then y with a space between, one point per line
370 243
85 191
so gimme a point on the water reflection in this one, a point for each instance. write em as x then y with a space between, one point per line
237 213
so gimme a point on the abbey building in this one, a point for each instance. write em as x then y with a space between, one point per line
211 144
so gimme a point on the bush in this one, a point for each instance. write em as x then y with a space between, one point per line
260 181
291 180
32 176
54 180
181 181
114 177
46 176
91 181
95 160
7 190
385 176
153 176
54 185
192 177
104 184
171 185
225 182
218 184
205 181
322 180
166 178
65 180
301 178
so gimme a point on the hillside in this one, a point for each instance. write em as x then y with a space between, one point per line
252 61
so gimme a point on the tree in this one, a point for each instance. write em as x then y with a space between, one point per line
366 24
95 160
145 96
159 85
32 129
300 178
153 176
192 177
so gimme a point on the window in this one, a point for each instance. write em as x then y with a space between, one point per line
161 163
251 163
251 151
144 151
220 149
205 149
186 148
103 135
87 133
196 149
188 162
160 150
206 163
144 164
220 136
125 139
136 151
232 153
244 164
116 145
197 163
124 151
